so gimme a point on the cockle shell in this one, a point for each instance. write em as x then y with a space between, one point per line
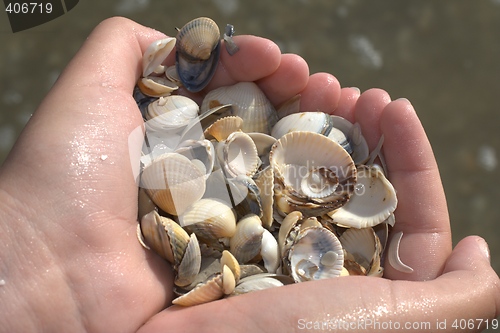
364 246
315 254
156 86
173 182
165 237
247 240
249 103
374 200
260 282
316 173
227 259
360 151
205 292
223 127
170 113
197 56
190 264
264 180
238 155
209 218
155 54
245 196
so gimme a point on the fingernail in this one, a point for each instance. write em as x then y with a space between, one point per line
483 246
404 99
357 89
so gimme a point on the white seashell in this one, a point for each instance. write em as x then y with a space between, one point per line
201 153
316 173
374 200
238 155
393 254
170 113
360 151
249 103
247 240
270 252
172 75
210 219
364 246
223 127
285 235
173 182
317 122
156 86
260 282
315 254
227 259
156 53
165 237
228 280
190 264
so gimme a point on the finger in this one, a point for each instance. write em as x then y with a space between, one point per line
347 102
422 213
367 111
356 303
289 79
322 93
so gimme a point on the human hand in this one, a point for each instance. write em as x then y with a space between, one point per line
68 201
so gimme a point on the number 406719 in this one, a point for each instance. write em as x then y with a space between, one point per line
463 324
29 8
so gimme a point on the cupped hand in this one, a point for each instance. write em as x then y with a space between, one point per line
69 257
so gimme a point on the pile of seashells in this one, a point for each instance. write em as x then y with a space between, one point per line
239 196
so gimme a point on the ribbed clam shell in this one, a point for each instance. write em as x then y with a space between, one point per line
223 127
198 50
246 242
363 245
170 113
165 237
238 155
317 122
198 38
155 86
155 54
249 103
173 182
206 292
190 264
315 254
306 163
209 219
227 259
374 200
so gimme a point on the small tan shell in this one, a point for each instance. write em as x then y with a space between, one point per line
190 264
265 182
165 237
210 219
238 155
156 86
173 182
206 292
230 261
249 103
223 127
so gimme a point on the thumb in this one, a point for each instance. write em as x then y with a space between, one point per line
471 253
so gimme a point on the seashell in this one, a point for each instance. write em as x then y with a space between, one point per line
245 196
208 291
393 254
223 127
251 269
201 153
155 54
269 252
315 173
359 146
190 264
165 237
315 254
145 205
263 142
286 234
238 155
317 122
288 107
172 75
247 240
209 219
260 282
374 200
197 56
231 46
228 280
230 261
249 103
364 245
156 86
265 182
173 182
170 113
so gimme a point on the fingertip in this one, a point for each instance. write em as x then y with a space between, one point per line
348 98
471 253
322 93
